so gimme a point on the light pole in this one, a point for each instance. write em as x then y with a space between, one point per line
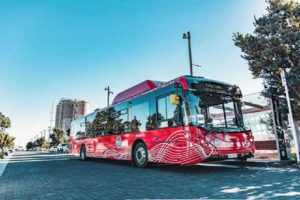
271 93
108 93
290 115
187 36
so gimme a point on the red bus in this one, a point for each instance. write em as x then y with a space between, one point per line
184 121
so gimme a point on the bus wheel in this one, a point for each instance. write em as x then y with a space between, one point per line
83 153
140 155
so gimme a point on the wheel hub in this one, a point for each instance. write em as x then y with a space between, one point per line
140 155
82 155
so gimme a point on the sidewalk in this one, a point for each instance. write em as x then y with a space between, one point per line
254 162
4 162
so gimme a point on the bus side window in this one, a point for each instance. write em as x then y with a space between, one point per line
79 129
89 125
139 113
123 119
167 113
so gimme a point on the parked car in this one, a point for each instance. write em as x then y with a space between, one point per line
53 149
19 148
63 148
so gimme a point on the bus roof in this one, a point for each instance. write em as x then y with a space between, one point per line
136 90
148 85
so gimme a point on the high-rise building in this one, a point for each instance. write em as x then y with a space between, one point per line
68 110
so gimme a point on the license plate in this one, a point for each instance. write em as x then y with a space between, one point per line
234 155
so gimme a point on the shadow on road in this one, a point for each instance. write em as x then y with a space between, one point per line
30 153
191 169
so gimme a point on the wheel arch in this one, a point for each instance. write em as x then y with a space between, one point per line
82 145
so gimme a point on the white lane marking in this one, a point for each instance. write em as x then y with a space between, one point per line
37 158
288 194
4 163
235 190
41 154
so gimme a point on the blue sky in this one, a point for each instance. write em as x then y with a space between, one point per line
54 49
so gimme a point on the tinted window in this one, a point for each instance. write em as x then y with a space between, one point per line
139 112
122 116
88 125
162 108
104 122
151 120
79 128
167 113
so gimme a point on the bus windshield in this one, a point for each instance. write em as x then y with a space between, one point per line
214 111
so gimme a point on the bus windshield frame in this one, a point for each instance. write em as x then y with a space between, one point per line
214 107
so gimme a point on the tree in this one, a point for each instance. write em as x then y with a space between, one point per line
6 141
4 122
46 145
58 137
40 141
29 145
275 45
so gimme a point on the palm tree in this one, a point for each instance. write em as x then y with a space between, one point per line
4 122
5 141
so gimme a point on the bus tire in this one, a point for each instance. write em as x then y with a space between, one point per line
140 155
83 153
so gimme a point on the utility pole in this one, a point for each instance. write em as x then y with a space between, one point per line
108 93
51 119
290 115
270 92
187 36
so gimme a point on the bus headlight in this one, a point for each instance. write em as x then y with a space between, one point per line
217 142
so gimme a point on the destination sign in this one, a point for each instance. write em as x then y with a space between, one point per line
216 88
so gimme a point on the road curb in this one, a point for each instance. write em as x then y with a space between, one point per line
262 163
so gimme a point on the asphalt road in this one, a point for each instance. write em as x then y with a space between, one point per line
31 175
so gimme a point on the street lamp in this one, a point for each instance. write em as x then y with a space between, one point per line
187 36
108 93
290 115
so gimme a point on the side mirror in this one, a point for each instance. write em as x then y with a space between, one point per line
174 99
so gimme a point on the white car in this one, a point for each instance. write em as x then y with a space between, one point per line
63 148
53 149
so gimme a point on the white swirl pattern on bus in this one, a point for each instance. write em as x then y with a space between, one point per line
178 148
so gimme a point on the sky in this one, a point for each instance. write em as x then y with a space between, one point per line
55 49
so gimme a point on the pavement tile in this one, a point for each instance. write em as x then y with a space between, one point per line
105 179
